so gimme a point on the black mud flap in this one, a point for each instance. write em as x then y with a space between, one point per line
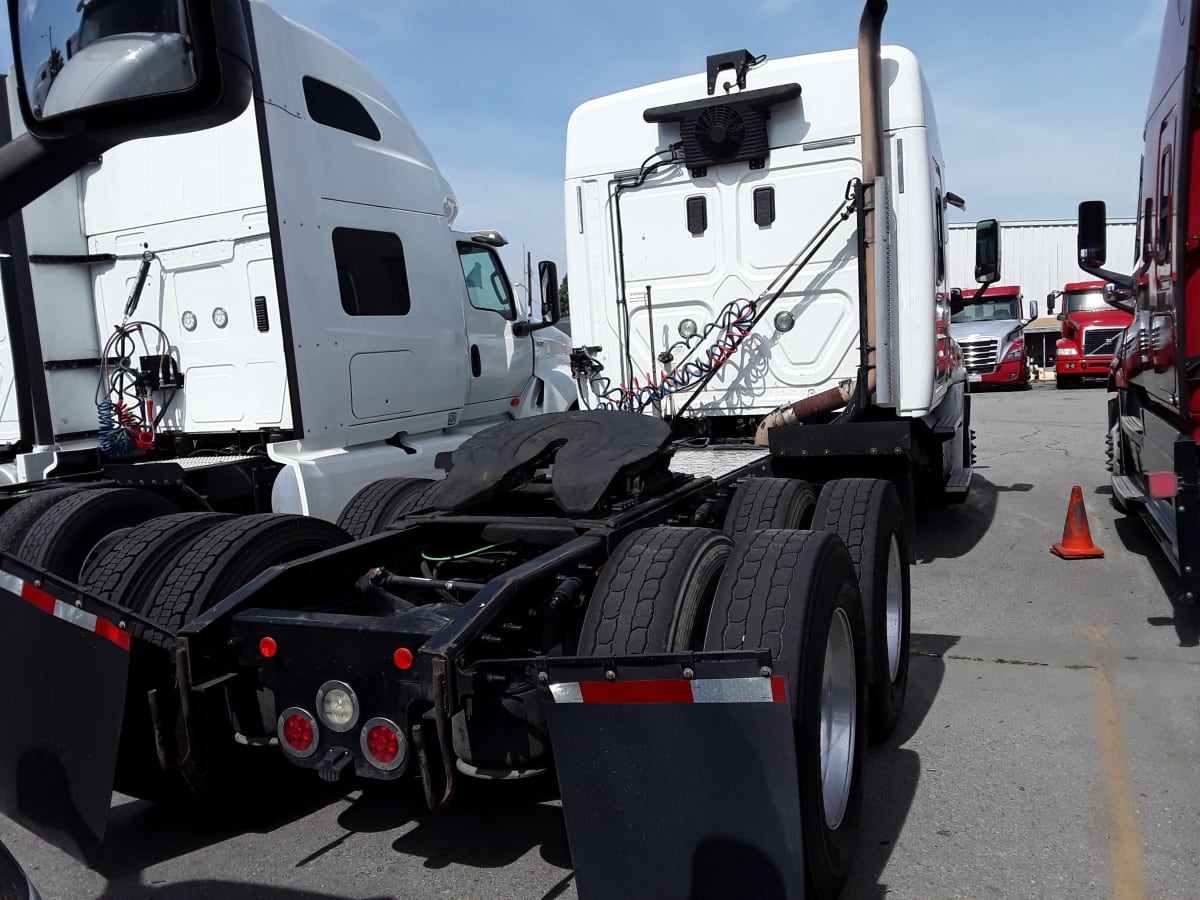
65 670
676 786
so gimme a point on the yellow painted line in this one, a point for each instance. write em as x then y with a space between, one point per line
1124 844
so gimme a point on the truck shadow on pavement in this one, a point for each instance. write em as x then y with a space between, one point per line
950 531
141 835
894 771
207 890
1185 619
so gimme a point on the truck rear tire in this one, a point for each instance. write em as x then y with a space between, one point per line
761 503
866 514
61 538
794 593
219 560
121 569
655 592
381 502
15 522
206 570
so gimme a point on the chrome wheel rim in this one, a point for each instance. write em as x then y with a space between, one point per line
839 701
894 609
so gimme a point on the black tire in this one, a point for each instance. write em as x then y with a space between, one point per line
215 563
60 539
761 503
15 522
126 565
782 591
220 773
866 514
380 503
655 592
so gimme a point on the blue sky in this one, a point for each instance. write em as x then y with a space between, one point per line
1040 104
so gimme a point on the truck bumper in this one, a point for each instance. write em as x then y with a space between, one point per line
1008 373
1083 366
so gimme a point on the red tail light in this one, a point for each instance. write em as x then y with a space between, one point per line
298 733
383 744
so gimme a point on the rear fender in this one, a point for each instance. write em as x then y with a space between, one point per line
683 768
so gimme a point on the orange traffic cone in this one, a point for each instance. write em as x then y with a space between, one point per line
1077 537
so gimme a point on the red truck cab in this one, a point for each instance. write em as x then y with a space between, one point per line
1154 410
1091 332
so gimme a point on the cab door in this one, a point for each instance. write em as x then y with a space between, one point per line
499 362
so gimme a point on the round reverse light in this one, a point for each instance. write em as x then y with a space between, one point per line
688 329
383 744
188 320
220 317
784 321
298 733
337 705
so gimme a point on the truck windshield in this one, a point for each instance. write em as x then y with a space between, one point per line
104 18
1084 301
990 311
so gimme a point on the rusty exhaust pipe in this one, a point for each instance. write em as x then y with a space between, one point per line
870 111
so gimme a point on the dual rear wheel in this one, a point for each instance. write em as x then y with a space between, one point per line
804 596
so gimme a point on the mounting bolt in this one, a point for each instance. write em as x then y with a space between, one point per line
543 677
688 672
610 675
1187 569
765 671
1189 596
121 625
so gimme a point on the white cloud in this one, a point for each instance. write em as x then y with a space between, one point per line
28 8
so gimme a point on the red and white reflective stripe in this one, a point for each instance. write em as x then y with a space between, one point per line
697 690
65 611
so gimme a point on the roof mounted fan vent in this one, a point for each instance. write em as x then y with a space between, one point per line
729 129
720 132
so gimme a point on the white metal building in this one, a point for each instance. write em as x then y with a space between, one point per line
1039 256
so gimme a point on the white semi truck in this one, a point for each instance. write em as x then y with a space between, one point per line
710 575
267 315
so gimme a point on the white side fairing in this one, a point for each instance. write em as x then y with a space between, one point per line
694 273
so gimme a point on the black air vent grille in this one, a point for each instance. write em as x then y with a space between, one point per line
260 314
720 130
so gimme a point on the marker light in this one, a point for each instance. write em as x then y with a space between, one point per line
267 647
337 706
298 732
688 329
403 658
383 744
220 317
189 320
784 321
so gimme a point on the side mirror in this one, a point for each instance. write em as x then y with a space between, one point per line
1062 317
548 277
987 252
92 74
957 301
1093 234
129 69
1034 312
1051 298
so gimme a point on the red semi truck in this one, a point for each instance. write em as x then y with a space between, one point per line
991 332
1091 332
1154 413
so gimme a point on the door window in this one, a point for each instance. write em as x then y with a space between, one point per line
487 285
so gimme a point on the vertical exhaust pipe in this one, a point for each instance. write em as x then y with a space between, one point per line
870 112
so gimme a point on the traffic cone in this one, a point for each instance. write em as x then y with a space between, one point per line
1077 537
